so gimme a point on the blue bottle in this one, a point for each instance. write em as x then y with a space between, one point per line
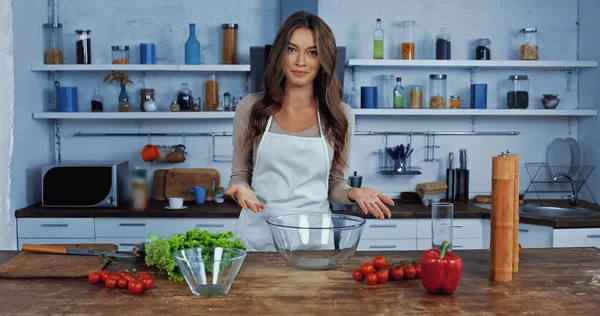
192 47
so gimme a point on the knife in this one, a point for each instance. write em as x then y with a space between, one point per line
60 250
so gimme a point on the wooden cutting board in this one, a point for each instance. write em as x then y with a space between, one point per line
158 185
179 181
42 265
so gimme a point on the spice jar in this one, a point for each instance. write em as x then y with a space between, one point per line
415 97
234 104
528 39
83 47
407 50
442 45
53 43
517 95
227 98
219 195
139 196
483 48
145 95
120 54
212 93
185 98
229 43
455 102
437 91
97 102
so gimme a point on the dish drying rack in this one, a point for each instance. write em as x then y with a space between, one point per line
386 165
542 178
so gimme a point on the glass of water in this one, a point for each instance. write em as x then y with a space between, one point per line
441 224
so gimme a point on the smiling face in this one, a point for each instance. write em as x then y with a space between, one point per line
301 61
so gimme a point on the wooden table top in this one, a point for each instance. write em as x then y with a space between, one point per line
550 281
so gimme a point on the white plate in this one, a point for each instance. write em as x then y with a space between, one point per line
558 153
576 156
169 208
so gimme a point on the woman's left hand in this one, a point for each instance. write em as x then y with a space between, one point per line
371 201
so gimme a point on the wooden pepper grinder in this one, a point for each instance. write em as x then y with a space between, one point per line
502 218
515 264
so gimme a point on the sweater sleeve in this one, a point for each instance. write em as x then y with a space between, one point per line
338 185
242 163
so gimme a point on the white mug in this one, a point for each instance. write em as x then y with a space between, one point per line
175 203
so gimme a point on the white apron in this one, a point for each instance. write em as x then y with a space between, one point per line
291 175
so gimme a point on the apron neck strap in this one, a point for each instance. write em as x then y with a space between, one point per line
268 128
319 120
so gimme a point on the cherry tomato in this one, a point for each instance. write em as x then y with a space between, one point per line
142 274
367 268
104 275
122 283
417 267
111 283
379 262
372 279
397 273
357 275
382 276
94 277
135 287
147 282
129 277
409 272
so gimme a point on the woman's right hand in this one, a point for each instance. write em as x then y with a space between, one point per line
245 197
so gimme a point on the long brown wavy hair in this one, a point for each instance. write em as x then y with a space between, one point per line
326 85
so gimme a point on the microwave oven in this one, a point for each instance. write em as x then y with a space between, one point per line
85 184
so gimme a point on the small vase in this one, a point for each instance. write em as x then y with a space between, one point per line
124 104
192 47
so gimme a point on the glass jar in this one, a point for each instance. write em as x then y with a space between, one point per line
212 93
97 102
415 97
399 95
385 90
219 195
528 41
483 49
234 104
442 45
83 47
407 50
227 99
53 53
185 98
229 54
378 41
442 215
139 196
221 106
120 54
455 102
437 91
517 95
145 95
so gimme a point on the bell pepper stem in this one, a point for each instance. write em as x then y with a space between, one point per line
445 246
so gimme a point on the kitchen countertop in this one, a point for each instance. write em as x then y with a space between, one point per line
266 286
230 209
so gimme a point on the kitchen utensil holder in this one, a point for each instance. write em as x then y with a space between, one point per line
387 165
542 178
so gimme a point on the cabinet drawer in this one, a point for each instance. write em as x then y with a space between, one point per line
461 228
535 236
458 243
55 227
45 241
124 244
577 237
213 225
132 227
390 229
386 244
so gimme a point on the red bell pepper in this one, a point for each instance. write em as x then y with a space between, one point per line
440 271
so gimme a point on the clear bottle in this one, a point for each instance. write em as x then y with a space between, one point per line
437 91
408 48
517 95
442 45
528 49
97 102
399 93
378 41
53 33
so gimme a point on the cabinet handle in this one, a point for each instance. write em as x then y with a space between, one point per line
457 246
593 236
55 225
524 230
132 224
126 245
457 226
383 246
383 225
210 225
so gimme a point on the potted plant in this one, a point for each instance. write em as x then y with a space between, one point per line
122 77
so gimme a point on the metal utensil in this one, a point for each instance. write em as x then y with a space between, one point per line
60 250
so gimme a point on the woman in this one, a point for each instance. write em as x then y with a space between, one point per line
291 142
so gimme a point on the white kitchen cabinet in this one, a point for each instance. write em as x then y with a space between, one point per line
55 228
124 244
577 237
387 244
390 229
213 225
457 243
45 241
535 236
461 228
132 227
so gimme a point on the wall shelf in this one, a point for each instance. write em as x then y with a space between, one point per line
132 115
139 67
468 64
473 112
